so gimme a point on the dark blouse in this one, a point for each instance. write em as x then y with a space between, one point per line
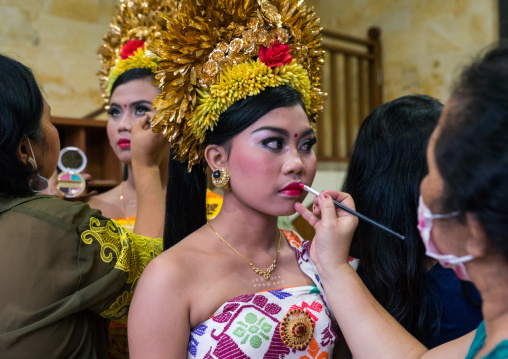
454 304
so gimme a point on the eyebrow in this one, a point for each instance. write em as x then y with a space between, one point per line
282 131
141 102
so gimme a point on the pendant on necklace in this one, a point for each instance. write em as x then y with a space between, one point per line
266 274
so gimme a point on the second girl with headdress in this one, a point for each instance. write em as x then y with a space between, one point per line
126 80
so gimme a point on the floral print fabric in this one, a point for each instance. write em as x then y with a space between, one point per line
248 326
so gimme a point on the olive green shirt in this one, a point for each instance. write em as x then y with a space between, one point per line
64 271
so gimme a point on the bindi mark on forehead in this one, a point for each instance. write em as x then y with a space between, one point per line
296 135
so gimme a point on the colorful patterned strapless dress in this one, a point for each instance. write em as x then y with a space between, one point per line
292 322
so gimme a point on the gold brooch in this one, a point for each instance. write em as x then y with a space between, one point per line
296 329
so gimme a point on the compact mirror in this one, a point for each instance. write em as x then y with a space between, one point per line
71 162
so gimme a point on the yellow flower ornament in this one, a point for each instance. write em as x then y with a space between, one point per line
239 81
214 53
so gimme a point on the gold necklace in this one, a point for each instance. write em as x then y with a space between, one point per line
264 273
129 227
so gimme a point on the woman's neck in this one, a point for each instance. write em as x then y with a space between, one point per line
490 275
129 183
496 327
491 279
247 230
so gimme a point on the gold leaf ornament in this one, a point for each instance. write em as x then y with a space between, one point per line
133 20
213 45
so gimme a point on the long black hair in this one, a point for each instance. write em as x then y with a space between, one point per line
22 107
186 191
137 73
472 148
384 175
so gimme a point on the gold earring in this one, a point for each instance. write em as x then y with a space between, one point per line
220 178
32 163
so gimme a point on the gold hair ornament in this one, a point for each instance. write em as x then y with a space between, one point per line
216 52
133 27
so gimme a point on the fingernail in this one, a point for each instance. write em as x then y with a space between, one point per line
323 195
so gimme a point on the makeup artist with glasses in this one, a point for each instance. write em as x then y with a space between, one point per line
462 218
65 269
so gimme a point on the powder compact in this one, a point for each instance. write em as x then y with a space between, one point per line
71 162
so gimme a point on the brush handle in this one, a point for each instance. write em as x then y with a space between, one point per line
367 219
359 215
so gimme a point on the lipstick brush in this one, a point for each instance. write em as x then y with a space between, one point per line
349 210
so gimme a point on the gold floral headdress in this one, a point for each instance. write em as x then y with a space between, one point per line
216 52
133 27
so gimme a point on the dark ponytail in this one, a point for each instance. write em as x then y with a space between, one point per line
185 201
384 175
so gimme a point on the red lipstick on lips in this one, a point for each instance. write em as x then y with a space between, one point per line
292 189
124 143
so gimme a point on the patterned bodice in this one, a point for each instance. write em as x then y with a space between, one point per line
249 326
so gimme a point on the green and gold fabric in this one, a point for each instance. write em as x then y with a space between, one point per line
65 270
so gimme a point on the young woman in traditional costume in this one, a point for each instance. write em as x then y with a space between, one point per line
126 83
240 82
126 80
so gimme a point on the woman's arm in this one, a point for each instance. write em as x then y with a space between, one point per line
159 314
148 151
456 349
370 331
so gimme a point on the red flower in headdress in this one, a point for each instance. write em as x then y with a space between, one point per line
130 47
276 55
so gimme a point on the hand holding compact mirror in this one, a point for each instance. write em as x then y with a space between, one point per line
71 162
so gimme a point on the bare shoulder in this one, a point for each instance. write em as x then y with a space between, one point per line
106 202
167 269
161 305
178 262
103 197
174 269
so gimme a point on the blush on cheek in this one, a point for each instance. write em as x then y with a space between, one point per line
253 166
310 169
111 132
